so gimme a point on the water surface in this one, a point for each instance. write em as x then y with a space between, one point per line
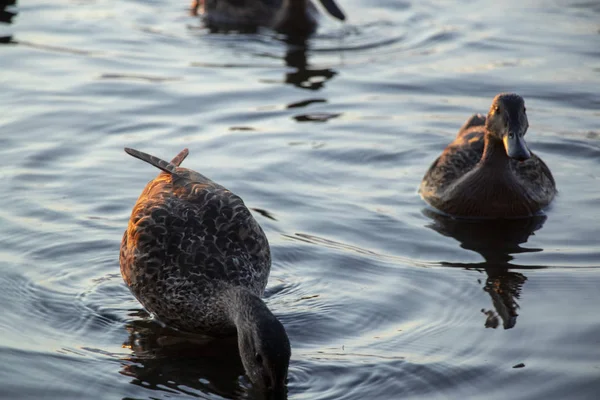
381 298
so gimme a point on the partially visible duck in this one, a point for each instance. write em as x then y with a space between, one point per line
291 17
196 259
488 170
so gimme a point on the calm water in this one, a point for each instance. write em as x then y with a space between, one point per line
381 299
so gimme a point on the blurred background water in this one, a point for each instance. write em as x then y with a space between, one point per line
381 298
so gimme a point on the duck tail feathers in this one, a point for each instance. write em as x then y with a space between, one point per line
169 167
178 159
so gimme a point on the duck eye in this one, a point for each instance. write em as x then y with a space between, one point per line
258 358
524 109
496 109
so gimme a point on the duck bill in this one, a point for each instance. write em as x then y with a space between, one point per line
516 147
333 9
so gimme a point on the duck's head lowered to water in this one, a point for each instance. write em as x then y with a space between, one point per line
507 121
264 346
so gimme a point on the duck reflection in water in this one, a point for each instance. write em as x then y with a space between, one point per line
166 360
6 17
297 20
496 240
303 75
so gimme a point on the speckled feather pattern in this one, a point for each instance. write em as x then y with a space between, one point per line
532 188
188 241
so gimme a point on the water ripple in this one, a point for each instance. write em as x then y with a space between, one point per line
327 144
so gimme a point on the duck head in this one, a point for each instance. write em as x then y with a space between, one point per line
265 352
507 121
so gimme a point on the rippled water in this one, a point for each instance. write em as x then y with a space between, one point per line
381 299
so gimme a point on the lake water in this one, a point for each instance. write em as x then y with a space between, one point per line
380 298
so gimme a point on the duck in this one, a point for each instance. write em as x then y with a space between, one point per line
297 18
488 170
196 259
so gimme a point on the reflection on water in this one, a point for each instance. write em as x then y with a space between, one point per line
7 13
355 276
165 360
504 287
303 76
300 73
496 241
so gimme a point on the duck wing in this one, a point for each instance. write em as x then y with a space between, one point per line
189 230
536 179
456 160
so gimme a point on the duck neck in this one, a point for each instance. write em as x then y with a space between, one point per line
294 19
494 154
246 309
260 335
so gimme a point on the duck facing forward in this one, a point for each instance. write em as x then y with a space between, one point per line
488 170
291 17
194 256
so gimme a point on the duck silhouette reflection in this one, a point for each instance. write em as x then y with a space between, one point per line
6 17
304 76
166 360
496 241
300 73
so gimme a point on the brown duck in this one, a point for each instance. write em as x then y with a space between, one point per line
195 258
488 170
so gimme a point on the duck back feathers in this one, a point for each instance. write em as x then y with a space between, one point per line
189 240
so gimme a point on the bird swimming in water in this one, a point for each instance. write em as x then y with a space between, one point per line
291 17
488 170
196 259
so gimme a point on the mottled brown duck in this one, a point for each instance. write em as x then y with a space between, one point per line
196 259
488 171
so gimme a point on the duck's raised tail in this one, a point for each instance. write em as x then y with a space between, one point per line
169 167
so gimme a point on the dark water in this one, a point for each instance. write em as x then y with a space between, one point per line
381 299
